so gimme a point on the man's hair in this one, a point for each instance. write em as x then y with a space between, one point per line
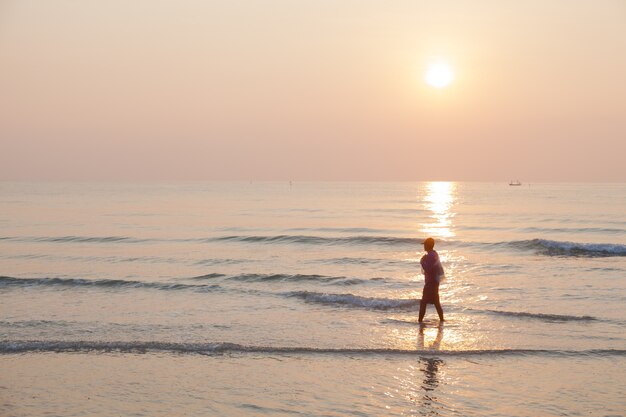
429 243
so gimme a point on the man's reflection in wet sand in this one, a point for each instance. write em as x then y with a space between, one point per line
421 342
430 367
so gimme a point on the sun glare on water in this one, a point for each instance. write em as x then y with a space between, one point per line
439 75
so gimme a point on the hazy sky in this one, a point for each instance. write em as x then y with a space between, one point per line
312 90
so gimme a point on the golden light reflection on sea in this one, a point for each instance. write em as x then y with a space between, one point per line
440 199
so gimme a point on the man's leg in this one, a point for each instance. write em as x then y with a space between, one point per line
439 310
422 310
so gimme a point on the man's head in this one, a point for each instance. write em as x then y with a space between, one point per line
429 244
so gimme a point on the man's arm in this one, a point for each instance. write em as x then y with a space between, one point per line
428 261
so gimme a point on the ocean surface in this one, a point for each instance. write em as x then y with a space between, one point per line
285 299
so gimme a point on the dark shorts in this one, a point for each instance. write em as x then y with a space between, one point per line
430 295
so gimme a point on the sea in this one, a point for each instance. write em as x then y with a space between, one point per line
301 299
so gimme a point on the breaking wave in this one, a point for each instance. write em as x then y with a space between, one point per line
351 300
601 230
6 281
558 248
78 239
324 279
322 240
19 346
541 246
541 316
297 278
101 283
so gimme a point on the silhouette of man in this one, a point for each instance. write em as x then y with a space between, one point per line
433 271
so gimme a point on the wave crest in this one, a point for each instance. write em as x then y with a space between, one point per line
20 346
321 240
101 283
561 248
351 300
542 316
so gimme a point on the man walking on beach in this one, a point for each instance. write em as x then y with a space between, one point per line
433 272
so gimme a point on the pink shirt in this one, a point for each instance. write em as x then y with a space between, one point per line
432 268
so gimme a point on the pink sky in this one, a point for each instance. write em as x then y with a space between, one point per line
312 90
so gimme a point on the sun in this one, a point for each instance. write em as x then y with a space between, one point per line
439 75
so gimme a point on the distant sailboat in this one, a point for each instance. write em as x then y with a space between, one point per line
516 182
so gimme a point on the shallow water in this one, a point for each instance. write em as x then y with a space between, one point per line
279 299
318 384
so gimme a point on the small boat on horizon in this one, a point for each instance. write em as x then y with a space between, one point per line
516 182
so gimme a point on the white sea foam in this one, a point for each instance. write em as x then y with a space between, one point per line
21 346
351 300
